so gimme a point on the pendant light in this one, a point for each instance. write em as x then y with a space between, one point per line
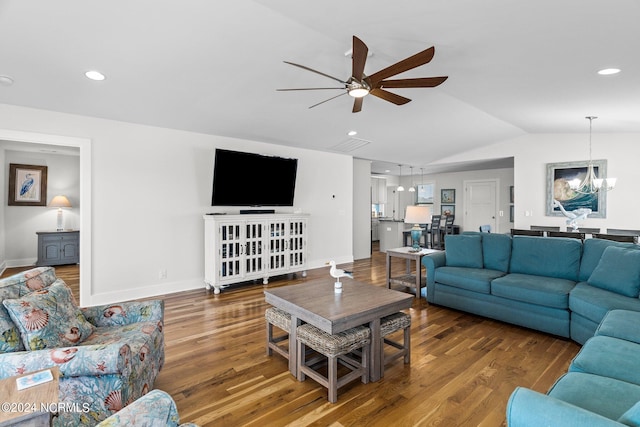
591 184
400 187
412 189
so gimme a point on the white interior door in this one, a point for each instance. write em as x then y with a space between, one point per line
481 204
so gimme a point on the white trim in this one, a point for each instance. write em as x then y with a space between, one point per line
84 145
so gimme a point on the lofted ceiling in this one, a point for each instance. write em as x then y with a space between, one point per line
214 66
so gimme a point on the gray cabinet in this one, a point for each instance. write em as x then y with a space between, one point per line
58 247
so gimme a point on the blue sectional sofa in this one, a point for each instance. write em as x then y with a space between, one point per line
602 387
561 286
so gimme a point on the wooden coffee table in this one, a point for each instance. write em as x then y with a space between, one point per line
315 302
27 407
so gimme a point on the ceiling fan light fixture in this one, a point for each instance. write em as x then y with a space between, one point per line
358 92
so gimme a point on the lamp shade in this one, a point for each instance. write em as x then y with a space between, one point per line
417 215
60 202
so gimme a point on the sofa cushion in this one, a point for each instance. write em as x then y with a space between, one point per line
464 251
622 324
545 291
496 251
9 333
592 252
49 318
593 303
608 357
542 256
472 279
605 396
13 287
631 417
618 271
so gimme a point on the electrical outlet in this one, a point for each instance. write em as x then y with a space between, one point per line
501 213
162 274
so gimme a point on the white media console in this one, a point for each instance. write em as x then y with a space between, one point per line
239 248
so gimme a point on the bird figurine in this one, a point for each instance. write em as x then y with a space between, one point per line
337 273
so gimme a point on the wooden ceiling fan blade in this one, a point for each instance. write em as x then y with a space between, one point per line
359 58
357 105
315 71
408 83
388 96
333 97
407 64
311 88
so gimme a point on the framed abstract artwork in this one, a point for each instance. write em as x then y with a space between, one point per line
560 195
27 185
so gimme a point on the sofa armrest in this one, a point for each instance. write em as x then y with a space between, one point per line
125 313
528 408
431 262
77 361
155 408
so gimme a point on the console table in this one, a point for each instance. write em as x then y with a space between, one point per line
58 247
408 279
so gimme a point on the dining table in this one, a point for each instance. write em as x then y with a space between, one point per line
316 302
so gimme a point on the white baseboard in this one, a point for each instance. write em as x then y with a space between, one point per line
145 292
25 262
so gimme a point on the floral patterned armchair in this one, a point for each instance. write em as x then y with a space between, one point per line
108 356
155 409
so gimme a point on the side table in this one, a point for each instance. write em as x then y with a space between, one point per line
409 279
27 407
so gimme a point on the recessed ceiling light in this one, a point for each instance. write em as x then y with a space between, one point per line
6 81
609 71
95 75
352 133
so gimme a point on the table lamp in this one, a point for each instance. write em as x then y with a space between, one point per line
60 202
417 215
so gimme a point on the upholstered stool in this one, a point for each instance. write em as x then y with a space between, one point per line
390 324
335 348
281 319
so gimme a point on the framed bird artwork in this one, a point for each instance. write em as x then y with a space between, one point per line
27 185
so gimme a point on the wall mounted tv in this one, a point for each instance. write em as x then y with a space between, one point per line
246 179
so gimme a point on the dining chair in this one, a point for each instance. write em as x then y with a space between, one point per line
569 234
435 235
616 237
521 232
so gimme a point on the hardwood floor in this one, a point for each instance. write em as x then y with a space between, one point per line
463 367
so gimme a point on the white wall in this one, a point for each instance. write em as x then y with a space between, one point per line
361 209
151 186
22 222
532 153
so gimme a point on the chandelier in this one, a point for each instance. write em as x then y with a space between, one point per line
591 184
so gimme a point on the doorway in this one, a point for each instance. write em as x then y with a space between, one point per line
84 146
481 204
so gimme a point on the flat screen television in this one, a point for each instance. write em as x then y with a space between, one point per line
246 179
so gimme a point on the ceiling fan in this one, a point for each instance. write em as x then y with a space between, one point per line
359 85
